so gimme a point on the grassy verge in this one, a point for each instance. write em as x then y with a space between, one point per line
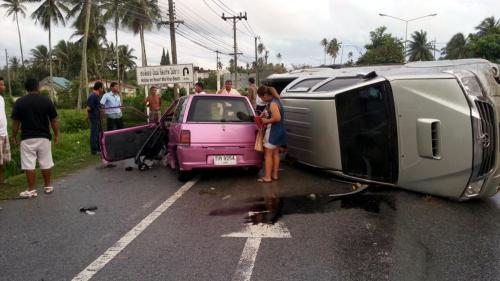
71 154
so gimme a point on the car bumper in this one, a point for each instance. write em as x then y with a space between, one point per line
193 157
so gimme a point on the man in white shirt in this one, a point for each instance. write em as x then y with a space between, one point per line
228 90
4 137
112 103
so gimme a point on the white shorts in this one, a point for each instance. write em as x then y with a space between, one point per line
33 149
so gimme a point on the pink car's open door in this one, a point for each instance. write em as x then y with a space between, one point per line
125 143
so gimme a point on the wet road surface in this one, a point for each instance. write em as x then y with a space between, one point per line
209 231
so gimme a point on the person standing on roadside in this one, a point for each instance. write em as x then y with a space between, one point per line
252 92
228 89
153 101
275 136
112 104
198 88
4 136
93 107
33 113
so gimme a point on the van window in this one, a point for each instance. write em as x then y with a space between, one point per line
367 132
305 85
338 83
220 109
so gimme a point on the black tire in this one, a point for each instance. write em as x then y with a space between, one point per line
182 176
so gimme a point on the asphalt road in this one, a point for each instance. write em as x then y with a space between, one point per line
379 234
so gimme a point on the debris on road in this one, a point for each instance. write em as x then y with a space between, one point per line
89 210
128 169
226 197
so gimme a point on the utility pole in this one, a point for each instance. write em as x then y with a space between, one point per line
218 71
235 20
8 72
256 64
435 48
173 45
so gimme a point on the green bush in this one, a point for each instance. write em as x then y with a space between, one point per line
137 102
73 121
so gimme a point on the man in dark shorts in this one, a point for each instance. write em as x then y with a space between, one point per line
93 107
33 113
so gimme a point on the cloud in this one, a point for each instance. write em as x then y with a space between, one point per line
290 27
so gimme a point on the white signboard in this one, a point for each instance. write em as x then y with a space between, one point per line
165 74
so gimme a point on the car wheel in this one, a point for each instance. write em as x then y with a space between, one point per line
181 175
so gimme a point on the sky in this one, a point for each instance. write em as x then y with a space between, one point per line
292 28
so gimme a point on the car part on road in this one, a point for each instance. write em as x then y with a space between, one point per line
90 208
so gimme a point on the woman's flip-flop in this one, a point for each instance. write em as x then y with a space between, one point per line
264 181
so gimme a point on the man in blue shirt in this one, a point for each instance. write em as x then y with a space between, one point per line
112 103
93 107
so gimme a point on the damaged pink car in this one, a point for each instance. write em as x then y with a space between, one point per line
196 132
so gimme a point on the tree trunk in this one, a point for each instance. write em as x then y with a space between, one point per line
143 48
50 64
20 45
84 78
117 54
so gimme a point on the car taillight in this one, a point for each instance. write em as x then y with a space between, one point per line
185 138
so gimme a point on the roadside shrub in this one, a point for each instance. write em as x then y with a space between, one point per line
73 121
135 101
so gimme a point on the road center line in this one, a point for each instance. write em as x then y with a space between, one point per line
247 260
114 250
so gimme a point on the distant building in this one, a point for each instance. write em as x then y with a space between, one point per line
60 84
200 73
126 89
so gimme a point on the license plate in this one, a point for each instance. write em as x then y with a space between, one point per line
224 160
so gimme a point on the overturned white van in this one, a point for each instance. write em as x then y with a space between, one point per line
429 127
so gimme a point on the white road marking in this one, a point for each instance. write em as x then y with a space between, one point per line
247 260
254 234
114 250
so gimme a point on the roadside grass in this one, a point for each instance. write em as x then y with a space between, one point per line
71 154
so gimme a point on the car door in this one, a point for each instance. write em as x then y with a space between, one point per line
125 143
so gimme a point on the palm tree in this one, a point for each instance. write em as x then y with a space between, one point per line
279 57
127 59
324 44
50 11
419 48
487 25
456 48
41 56
140 16
114 11
16 8
333 48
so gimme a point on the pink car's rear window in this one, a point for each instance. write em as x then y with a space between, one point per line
219 109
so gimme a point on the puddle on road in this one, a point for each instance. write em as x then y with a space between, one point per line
271 207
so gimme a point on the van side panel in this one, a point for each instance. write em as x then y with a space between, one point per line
312 132
435 109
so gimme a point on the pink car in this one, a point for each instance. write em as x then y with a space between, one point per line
200 132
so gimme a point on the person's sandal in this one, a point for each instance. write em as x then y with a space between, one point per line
48 189
28 194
